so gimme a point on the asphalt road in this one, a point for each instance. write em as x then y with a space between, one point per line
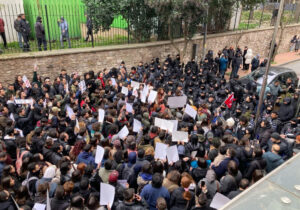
295 66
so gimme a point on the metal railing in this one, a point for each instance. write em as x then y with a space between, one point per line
121 31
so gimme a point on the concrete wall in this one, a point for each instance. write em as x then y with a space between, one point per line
9 10
85 59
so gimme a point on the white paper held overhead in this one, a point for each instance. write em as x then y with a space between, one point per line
107 194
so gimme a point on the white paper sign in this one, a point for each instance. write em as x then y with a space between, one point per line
129 108
194 153
137 125
113 81
107 194
219 201
160 151
180 136
177 102
135 85
123 133
190 111
152 96
172 154
11 116
23 101
70 111
26 81
163 124
99 154
101 114
175 124
82 86
39 206
124 90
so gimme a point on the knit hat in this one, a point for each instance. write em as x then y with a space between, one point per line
276 136
113 176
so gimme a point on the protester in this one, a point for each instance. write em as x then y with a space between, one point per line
64 31
2 32
66 138
17 26
40 34
25 31
89 26
248 59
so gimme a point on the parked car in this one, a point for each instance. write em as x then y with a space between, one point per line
275 74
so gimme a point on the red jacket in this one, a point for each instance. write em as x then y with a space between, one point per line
1 25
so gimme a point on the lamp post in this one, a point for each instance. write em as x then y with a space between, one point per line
205 30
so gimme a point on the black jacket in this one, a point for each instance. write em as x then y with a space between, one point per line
286 111
133 205
178 202
25 27
39 28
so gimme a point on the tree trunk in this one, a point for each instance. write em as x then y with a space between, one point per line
251 14
282 27
297 11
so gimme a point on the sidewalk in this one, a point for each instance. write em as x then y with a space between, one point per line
279 60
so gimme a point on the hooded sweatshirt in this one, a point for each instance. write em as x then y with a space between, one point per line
273 161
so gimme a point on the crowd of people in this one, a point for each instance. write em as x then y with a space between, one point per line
51 129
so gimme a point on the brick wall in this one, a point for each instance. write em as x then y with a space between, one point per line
85 59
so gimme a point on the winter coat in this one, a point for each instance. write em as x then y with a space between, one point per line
2 30
59 204
230 183
198 174
177 202
254 63
151 194
222 168
25 27
135 205
286 111
39 28
273 161
223 64
257 163
104 174
8 205
50 156
87 158
212 185
24 124
248 56
17 25
171 186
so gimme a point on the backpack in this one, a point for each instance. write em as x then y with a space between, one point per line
127 172
26 183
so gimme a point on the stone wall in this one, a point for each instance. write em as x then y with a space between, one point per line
85 59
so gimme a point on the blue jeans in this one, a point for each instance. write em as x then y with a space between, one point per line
20 40
62 36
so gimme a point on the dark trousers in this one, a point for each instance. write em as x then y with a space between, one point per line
88 34
234 72
26 46
42 40
4 39
246 67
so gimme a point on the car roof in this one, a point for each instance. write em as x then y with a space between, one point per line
278 69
